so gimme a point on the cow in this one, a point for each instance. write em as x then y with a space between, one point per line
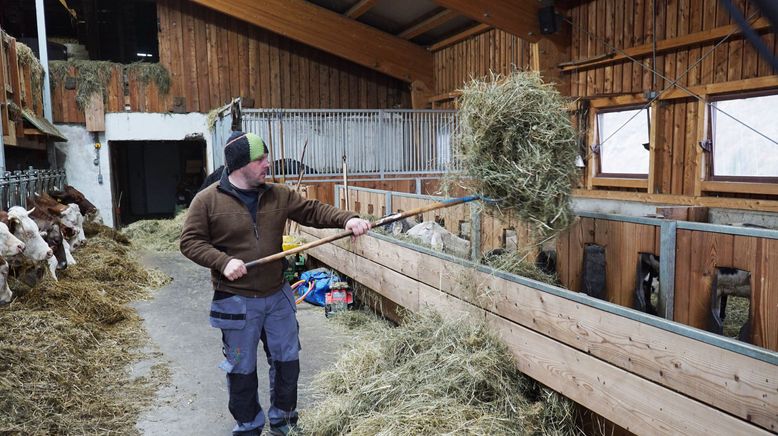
70 194
439 238
25 228
10 245
52 231
6 295
68 216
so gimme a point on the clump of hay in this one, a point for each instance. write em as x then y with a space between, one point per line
65 348
522 264
516 145
91 77
432 376
26 56
157 235
92 228
148 72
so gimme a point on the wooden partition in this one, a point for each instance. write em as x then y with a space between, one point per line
698 255
623 243
466 220
645 374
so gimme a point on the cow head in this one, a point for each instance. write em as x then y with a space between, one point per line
10 245
73 225
24 228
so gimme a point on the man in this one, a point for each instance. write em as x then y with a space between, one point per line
237 219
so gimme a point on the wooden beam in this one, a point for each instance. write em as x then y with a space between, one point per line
681 200
616 182
360 8
519 17
740 187
334 33
753 84
451 40
693 368
744 85
697 38
430 23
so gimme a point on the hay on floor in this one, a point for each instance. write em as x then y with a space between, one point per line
431 376
65 347
516 144
157 235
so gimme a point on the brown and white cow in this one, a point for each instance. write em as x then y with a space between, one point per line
52 231
70 194
24 228
10 245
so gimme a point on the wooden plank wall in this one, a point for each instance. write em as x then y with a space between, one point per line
623 243
494 50
600 25
213 57
626 24
698 254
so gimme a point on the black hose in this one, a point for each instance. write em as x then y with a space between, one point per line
750 33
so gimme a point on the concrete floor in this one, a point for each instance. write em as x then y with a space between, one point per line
195 402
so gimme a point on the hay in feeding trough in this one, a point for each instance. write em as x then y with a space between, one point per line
516 144
157 235
431 376
522 264
92 228
65 348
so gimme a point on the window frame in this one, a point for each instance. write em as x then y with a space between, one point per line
597 138
710 133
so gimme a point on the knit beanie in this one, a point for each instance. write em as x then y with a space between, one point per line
241 149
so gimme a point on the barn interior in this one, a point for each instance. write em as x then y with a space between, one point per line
634 281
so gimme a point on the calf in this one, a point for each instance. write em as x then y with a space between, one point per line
10 245
439 238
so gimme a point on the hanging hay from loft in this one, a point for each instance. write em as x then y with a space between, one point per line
516 144
65 347
26 56
93 77
157 235
431 376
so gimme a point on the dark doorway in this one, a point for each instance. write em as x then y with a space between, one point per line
155 179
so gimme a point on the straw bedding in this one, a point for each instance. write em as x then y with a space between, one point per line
431 375
65 347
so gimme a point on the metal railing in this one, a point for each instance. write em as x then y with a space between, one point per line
16 186
374 142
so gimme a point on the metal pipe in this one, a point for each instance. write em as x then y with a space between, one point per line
43 55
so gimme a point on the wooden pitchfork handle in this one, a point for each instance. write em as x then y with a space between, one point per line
381 222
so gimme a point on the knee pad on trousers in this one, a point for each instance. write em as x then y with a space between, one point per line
285 385
244 401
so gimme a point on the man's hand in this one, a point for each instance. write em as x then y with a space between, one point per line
235 269
358 226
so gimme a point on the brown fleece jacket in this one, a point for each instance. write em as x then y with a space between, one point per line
219 228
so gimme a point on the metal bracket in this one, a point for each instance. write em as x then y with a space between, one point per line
596 148
706 145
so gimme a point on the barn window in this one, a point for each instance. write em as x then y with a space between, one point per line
745 137
623 142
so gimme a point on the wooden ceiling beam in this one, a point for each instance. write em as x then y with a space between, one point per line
430 23
451 40
333 33
360 8
518 17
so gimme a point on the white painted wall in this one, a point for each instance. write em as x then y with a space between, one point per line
79 151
